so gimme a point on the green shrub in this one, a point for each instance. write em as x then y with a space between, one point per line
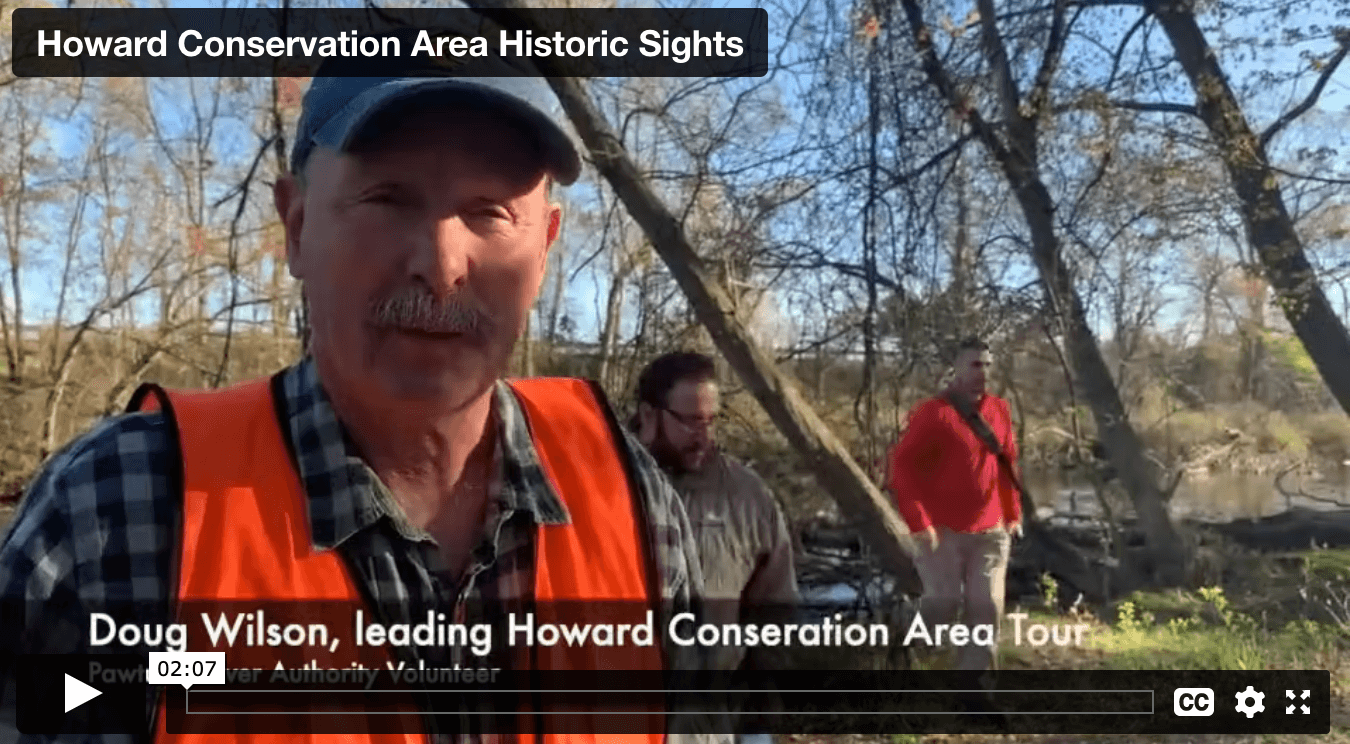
1328 434
1277 434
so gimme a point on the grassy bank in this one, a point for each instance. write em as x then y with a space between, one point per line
1207 629
1162 631
1199 629
1202 631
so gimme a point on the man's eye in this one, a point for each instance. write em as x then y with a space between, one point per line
385 194
494 212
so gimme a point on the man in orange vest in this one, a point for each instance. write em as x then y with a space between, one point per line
394 467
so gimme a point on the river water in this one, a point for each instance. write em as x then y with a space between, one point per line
1218 497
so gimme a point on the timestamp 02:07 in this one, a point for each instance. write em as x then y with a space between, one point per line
186 669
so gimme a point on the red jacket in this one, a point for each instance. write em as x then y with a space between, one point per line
942 475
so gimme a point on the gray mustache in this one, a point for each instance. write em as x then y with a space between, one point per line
420 311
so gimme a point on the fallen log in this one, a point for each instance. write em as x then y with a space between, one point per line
1048 549
832 538
1295 529
1065 553
1289 531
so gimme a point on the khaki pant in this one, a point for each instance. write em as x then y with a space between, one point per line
965 574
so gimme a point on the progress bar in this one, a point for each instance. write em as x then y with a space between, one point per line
370 702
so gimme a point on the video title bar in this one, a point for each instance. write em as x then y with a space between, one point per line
260 42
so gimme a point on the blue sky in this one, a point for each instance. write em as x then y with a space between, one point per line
1323 127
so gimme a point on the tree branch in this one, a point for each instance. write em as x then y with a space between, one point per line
1158 108
1306 177
1120 50
997 54
1054 49
232 256
1097 177
937 75
943 154
818 262
1311 99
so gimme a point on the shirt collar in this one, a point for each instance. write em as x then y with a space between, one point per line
345 495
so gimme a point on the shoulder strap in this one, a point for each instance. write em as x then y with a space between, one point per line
977 424
165 405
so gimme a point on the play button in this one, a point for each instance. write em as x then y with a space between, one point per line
71 695
78 693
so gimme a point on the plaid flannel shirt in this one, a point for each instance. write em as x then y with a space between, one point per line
96 528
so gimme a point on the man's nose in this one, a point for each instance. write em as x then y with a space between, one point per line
442 257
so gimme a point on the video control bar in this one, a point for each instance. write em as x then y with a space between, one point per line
625 702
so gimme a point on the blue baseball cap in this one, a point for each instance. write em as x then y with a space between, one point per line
348 98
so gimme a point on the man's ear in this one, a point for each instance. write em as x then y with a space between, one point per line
289 199
555 215
648 418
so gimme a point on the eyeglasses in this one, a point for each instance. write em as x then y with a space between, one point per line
694 423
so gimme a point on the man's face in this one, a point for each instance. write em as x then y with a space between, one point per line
684 432
422 254
972 366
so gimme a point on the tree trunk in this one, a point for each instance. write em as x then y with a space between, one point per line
53 408
865 408
827 457
559 277
819 376
16 357
5 335
1114 429
1270 230
609 334
527 346
1253 350
280 313
965 304
1207 307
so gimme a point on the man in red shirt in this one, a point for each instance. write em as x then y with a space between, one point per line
960 504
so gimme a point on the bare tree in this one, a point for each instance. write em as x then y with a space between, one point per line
20 194
1012 141
1270 229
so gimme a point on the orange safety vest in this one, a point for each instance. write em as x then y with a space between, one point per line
245 531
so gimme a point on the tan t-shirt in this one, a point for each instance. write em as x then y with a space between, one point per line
743 542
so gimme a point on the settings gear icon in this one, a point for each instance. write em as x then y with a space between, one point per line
1250 702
